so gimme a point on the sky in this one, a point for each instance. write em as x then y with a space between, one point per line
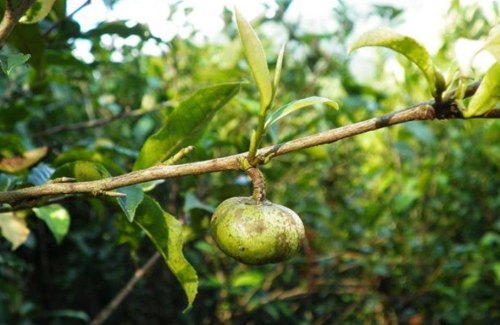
423 20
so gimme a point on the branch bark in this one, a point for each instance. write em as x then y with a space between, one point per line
11 16
423 111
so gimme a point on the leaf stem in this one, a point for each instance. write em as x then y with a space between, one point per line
256 138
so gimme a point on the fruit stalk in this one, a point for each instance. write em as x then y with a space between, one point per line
259 184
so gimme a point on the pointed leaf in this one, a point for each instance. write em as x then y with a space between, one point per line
10 61
297 105
82 171
493 43
14 229
165 232
279 66
488 93
130 202
57 219
38 10
29 158
256 58
406 46
186 124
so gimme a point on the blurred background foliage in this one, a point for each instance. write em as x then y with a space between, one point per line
402 223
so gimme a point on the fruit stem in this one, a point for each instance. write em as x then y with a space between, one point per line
259 184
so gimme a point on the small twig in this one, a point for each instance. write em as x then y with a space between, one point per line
11 17
179 155
102 121
51 28
125 291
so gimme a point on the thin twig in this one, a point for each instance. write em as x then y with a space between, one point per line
125 291
51 28
102 121
181 154
28 204
11 17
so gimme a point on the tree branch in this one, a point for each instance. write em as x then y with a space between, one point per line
125 291
423 111
102 121
11 16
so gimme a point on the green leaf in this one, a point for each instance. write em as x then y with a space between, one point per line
149 186
59 9
185 124
250 278
38 10
279 66
128 234
28 39
69 313
11 144
493 43
57 219
13 229
79 154
7 182
82 171
297 105
119 28
488 93
192 202
10 61
129 203
166 233
406 46
256 58
496 271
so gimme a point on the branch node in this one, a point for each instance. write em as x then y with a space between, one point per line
113 194
244 164
447 110
63 179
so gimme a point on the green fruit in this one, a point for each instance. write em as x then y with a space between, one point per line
256 232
